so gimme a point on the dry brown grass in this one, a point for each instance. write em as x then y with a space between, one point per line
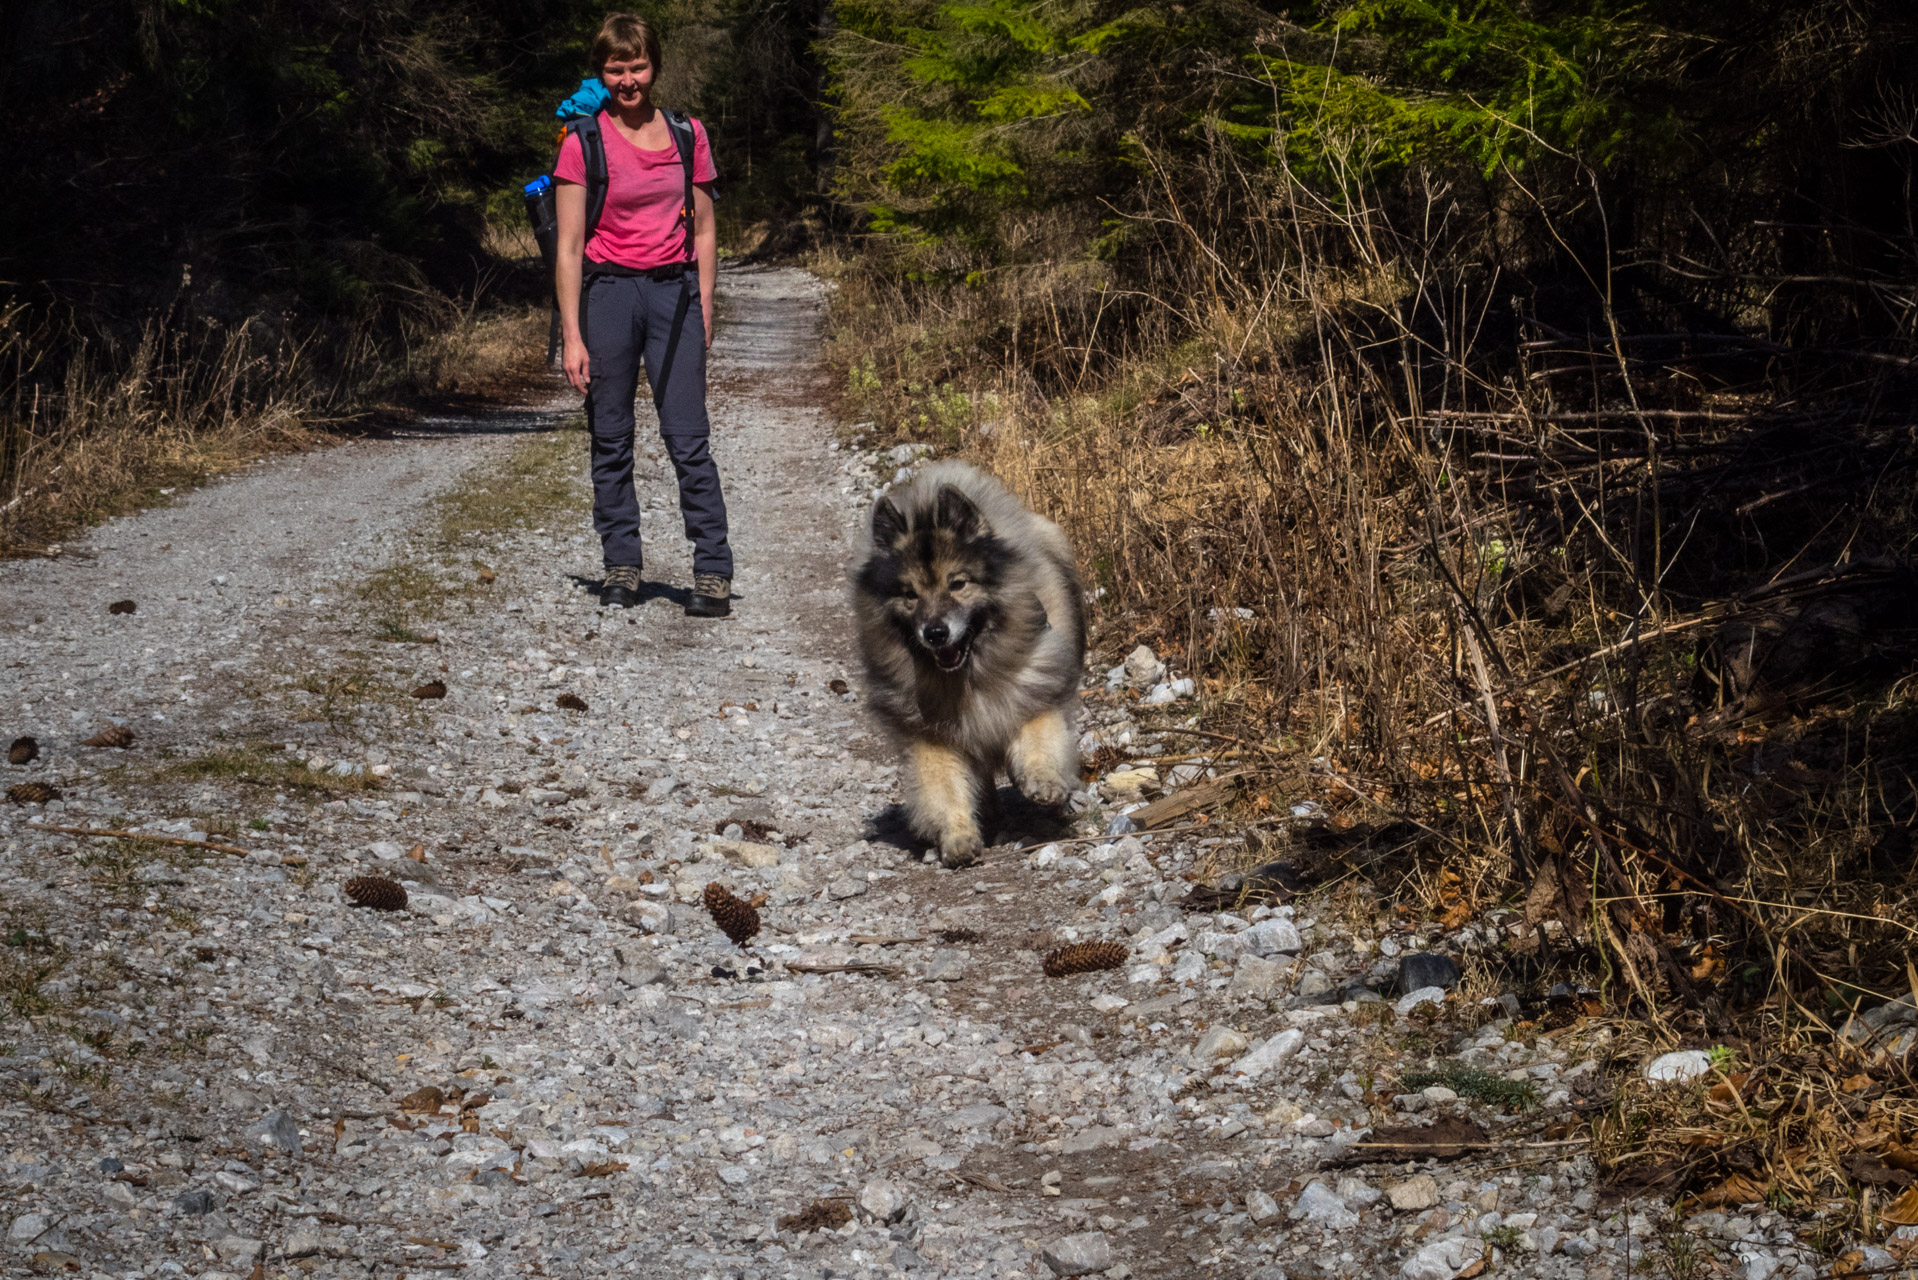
1565 606
121 429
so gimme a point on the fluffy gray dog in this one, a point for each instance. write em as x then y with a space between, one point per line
971 623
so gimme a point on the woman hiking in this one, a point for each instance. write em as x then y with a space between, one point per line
640 290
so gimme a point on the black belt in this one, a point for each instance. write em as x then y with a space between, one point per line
671 271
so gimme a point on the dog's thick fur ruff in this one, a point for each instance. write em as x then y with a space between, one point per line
953 555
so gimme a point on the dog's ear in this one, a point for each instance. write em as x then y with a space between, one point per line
888 525
957 513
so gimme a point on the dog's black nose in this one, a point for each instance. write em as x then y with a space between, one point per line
935 633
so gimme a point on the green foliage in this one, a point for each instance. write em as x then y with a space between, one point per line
975 110
1472 1082
967 96
1473 82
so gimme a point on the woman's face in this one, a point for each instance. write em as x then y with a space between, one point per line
629 80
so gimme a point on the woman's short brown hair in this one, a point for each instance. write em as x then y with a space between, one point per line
623 37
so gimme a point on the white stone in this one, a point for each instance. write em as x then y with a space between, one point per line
653 917
1190 967
1271 1053
883 1200
746 853
1108 1003
1218 1042
1272 937
1356 1191
1679 1065
1320 1205
1442 1259
1143 668
1414 1194
1424 995
1079 1255
1258 977
1259 1206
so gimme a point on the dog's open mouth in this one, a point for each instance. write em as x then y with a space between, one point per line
951 657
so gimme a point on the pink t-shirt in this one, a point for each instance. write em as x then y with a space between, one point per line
645 190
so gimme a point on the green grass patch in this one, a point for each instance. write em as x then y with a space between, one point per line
1471 1082
244 764
541 478
27 959
539 481
394 630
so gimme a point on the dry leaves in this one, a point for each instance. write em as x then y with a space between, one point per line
431 689
1451 888
122 606
571 702
1902 1212
603 1168
114 735
820 1215
1738 1189
23 751
423 1102
417 853
486 576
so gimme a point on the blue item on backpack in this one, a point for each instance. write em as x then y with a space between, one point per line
586 100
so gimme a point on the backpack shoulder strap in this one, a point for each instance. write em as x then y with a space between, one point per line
592 149
681 127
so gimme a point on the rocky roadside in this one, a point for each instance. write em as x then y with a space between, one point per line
550 1062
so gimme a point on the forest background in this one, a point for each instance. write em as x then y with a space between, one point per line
1504 409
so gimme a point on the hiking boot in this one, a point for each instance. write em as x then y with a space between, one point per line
711 598
621 588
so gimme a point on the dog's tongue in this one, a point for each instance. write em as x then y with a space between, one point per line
949 656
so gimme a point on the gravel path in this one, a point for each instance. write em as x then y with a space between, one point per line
551 1062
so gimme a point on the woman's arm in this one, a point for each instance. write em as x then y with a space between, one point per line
705 249
570 205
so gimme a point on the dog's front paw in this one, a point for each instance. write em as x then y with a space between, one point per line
1050 791
961 850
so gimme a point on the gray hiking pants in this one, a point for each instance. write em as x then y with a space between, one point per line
627 321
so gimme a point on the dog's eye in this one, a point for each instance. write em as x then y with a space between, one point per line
957 584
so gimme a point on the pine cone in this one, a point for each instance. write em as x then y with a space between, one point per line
23 751
571 702
34 793
122 606
431 689
736 918
377 892
114 735
1084 957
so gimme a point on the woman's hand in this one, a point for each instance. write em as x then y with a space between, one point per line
578 366
706 316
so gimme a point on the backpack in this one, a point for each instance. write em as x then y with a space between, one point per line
542 207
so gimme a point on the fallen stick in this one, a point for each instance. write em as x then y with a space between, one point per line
878 940
802 967
141 835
